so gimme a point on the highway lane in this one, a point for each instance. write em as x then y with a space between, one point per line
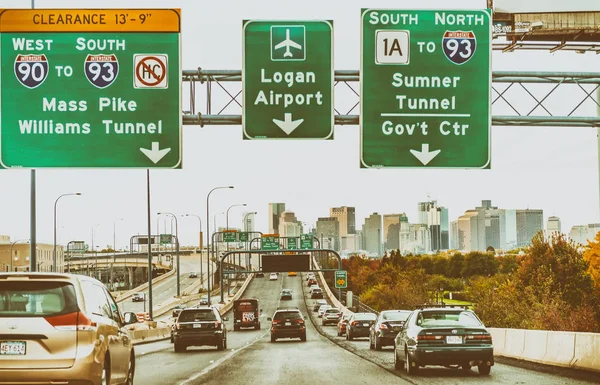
252 358
501 373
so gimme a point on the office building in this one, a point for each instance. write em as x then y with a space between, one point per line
249 223
391 231
454 238
4 239
328 233
581 234
275 210
21 257
289 225
553 226
436 219
372 235
529 222
346 216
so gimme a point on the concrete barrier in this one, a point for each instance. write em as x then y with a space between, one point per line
587 351
536 342
144 286
498 339
150 335
561 349
514 344
332 298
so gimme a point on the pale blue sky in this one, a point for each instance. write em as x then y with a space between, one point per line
554 169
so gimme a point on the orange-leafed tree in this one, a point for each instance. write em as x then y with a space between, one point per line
592 256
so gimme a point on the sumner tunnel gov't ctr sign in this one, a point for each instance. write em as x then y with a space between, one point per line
425 88
90 88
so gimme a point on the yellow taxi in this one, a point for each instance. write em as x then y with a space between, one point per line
292 274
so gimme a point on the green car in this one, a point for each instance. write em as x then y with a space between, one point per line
443 336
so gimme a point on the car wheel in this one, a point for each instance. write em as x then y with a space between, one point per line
130 370
398 364
225 344
236 328
172 339
273 339
484 369
371 347
349 335
257 326
179 347
105 376
410 365
221 345
303 337
377 343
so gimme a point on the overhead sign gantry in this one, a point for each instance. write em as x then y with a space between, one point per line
90 88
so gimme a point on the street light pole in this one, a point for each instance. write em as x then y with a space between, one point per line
227 218
54 249
93 250
208 236
199 239
11 250
245 227
176 251
114 251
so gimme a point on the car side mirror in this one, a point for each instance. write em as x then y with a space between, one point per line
269 319
225 318
305 318
129 318
261 311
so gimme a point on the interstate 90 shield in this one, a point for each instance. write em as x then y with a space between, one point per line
459 46
31 70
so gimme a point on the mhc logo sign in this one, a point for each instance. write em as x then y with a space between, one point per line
150 71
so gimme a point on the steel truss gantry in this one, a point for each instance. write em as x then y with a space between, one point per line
539 102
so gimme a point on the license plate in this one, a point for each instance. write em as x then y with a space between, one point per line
288 324
454 340
366 325
12 348
197 326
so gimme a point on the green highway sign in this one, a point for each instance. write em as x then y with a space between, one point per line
166 239
341 279
292 243
90 88
269 242
287 79
229 236
425 81
243 236
306 241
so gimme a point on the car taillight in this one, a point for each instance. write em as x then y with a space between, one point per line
428 337
275 321
217 325
71 321
354 323
383 327
480 337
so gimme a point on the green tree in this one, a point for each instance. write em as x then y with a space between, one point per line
455 265
478 263
592 257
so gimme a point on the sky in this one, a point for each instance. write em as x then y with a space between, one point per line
554 169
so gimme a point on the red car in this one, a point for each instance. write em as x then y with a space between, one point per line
341 325
311 282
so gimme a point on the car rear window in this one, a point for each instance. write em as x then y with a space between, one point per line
332 311
396 316
197 315
365 317
283 315
317 290
444 318
36 299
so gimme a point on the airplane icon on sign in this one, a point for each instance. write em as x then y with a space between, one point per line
287 44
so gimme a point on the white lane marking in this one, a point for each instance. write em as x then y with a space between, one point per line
218 362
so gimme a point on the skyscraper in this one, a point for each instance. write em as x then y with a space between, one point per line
289 225
391 231
275 210
581 234
328 232
372 234
553 226
529 222
345 215
436 219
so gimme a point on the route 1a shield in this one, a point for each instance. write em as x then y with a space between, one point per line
459 46
31 70
101 70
